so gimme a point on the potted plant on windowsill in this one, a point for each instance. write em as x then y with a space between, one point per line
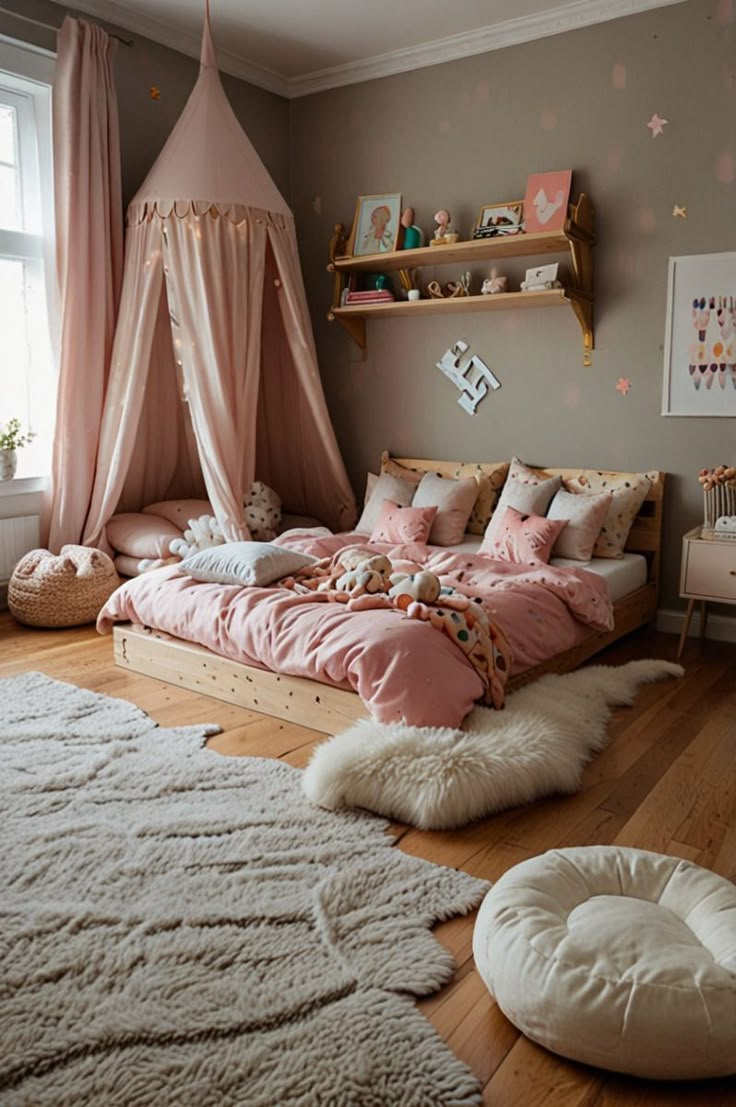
12 438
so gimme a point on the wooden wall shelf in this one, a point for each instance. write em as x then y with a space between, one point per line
577 238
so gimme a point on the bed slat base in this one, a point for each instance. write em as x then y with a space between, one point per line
294 699
306 702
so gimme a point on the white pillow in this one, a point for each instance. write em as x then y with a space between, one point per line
245 563
400 492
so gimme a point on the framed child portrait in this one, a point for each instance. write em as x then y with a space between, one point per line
376 225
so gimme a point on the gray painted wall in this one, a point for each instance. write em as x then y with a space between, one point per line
145 124
467 133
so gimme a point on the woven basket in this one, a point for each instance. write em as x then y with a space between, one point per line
61 591
718 501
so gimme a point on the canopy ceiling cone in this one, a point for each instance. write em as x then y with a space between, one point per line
213 377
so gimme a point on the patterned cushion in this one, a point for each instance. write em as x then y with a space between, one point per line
489 487
526 491
489 479
629 493
525 539
397 524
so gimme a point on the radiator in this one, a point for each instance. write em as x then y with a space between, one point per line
17 537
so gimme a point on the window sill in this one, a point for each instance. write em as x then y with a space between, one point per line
22 486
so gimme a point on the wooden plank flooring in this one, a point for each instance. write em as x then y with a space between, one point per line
667 782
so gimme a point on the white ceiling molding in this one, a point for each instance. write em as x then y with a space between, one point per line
566 17
510 32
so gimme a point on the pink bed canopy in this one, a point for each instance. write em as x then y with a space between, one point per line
213 377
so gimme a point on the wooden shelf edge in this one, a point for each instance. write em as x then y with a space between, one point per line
501 301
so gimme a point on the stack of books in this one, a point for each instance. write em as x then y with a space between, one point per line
372 296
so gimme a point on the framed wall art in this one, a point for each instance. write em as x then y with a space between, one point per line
545 201
700 336
376 225
499 219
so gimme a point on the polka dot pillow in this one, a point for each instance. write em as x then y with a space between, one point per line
629 492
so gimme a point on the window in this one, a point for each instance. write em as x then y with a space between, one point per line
27 363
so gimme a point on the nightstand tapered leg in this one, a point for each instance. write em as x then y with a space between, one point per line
686 628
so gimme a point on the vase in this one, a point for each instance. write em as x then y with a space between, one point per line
720 500
8 464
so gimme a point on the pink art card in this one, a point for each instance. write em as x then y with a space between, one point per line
546 200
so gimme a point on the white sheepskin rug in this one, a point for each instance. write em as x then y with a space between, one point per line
435 778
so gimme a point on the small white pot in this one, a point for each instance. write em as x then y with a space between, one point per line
8 464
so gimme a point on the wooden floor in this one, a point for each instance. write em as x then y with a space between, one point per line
666 782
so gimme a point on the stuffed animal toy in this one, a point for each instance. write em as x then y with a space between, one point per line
363 575
423 586
262 512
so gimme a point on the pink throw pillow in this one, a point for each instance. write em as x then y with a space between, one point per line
179 512
399 524
526 539
137 535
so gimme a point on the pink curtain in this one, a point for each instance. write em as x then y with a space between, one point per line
89 234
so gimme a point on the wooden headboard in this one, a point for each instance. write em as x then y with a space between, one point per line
645 536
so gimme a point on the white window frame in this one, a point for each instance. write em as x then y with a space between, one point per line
26 77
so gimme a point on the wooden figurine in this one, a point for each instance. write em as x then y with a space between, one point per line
460 287
413 235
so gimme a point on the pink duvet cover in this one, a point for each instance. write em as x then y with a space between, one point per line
403 669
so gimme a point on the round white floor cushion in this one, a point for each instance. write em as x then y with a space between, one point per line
616 957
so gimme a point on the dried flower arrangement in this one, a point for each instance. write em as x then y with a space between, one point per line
719 492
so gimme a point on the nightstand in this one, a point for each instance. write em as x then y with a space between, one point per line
708 572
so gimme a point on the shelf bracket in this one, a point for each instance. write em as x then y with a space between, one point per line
354 327
583 308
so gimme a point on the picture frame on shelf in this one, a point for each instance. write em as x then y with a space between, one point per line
377 225
699 376
546 201
500 220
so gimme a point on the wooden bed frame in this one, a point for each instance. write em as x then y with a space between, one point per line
330 710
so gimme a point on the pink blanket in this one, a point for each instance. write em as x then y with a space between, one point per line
401 668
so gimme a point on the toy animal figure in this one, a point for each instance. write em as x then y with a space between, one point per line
423 586
365 577
494 283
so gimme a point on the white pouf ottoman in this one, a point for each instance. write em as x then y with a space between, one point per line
616 957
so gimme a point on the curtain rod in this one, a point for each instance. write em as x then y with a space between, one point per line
53 27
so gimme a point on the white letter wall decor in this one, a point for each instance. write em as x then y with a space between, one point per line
470 374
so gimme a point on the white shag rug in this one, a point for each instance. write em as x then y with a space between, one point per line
182 929
437 778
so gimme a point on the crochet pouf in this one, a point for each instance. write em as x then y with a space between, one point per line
67 590
617 958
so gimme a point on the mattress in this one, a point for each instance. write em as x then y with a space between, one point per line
622 576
